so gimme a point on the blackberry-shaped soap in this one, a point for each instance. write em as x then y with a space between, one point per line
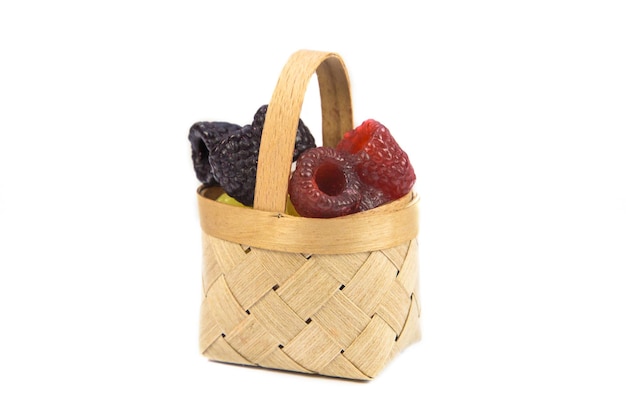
203 137
227 155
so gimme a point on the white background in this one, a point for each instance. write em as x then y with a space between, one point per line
513 114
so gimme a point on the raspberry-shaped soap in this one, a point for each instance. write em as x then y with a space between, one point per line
379 160
371 197
324 184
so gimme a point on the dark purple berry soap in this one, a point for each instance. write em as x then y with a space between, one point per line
225 154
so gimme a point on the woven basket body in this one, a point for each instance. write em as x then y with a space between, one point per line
336 297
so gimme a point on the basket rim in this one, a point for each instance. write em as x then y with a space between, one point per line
380 228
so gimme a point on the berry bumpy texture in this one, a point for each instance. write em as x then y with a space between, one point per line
234 161
203 137
379 160
367 169
226 154
324 184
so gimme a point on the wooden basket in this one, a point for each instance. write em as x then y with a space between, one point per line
336 297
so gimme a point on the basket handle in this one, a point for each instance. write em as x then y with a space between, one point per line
283 113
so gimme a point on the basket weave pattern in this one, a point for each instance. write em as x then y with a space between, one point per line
339 315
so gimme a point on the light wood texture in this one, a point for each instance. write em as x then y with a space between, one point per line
336 297
379 228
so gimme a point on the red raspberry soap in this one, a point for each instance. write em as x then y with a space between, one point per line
378 159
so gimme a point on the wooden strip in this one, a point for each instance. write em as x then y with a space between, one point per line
209 329
342 319
371 282
251 340
277 359
308 289
224 307
412 331
342 367
312 348
282 265
342 267
336 100
397 254
380 228
227 253
394 307
210 265
409 273
372 349
275 315
221 351
249 281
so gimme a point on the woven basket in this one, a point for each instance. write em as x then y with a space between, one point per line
336 297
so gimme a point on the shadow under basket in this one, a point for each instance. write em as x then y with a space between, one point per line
336 297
